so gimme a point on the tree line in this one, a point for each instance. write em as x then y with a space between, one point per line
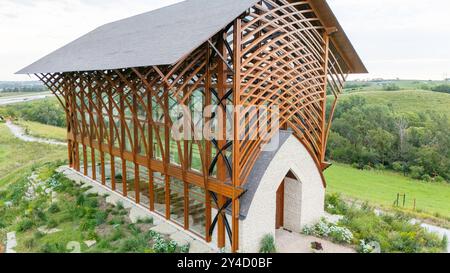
375 136
47 112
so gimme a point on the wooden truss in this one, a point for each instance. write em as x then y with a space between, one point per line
119 121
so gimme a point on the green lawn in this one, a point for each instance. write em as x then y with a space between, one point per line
408 101
17 157
381 188
43 131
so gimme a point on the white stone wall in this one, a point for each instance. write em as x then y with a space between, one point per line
308 197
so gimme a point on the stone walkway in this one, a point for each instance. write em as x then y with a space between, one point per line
11 242
182 237
290 242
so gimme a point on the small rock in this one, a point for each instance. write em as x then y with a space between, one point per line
138 213
11 242
90 243
48 231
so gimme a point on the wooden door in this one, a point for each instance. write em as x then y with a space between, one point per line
279 218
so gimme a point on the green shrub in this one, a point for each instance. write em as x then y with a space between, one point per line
100 217
146 220
427 178
444 243
163 246
391 87
416 171
53 248
86 225
24 225
185 248
81 199
54 208
439 179
52 223
116 221
92 203
29 243
397 166
38 235
335 205
268 244
120 206
116 235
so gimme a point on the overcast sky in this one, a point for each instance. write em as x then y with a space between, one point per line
409 39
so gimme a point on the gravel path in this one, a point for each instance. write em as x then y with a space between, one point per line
18 132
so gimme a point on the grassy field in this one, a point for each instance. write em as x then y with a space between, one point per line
17 157
381 188
407 101
43 131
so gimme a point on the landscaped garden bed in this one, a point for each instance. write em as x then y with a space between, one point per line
368 231
50 213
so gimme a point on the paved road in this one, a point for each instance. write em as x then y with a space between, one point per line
24 98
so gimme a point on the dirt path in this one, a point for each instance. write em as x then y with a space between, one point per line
19 133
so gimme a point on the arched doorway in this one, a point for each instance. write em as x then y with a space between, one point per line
288 203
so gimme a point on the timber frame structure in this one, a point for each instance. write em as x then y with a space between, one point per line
275 53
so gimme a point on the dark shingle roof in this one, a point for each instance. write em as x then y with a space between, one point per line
166 35
157 37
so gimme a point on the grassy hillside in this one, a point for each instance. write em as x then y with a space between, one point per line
17 157
407 101
43 131
381 187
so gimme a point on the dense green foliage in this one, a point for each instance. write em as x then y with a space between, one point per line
47 112
392 232
376 136
391 87
443 88
24 86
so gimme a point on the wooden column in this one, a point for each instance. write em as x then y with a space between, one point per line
150 123
326 39
208 209
222 122
236 156
111 138
122 143
167 150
